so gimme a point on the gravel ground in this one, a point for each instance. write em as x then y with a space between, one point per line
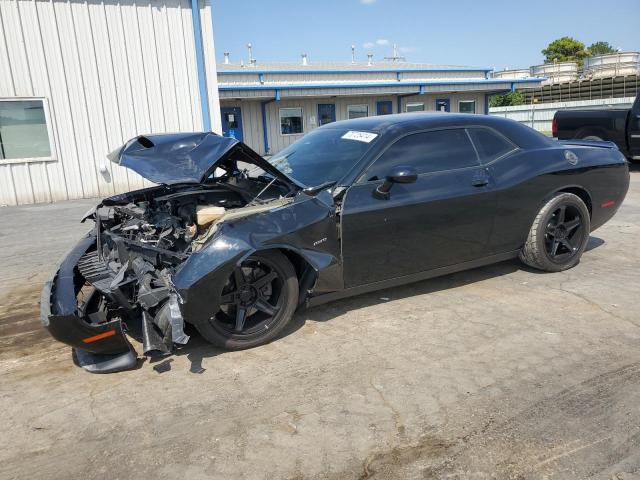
498 372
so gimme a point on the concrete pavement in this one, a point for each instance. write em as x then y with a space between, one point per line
498 372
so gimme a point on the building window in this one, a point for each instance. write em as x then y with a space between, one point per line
467 106
357 111
291 121
23 130
415 107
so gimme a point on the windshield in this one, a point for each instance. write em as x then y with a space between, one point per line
323 155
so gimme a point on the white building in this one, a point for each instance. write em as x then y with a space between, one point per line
78 78
270 105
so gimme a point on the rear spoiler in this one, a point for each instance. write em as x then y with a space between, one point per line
588 143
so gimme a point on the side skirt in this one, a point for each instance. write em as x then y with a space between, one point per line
414 277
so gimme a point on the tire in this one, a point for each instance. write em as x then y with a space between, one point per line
553 230
232 330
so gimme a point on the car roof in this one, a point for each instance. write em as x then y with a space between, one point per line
417 120
401 123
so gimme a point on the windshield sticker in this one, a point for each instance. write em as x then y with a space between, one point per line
365 137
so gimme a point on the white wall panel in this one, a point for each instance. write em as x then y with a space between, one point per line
108 70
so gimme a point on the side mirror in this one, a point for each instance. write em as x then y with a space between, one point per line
399 174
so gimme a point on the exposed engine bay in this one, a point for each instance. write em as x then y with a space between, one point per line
143 238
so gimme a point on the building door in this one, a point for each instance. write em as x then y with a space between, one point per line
326 113
232 122
384 108
443 105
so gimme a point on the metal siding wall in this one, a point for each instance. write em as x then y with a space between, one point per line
429 100
109 71
540 115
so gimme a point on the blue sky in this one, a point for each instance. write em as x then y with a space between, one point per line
459 32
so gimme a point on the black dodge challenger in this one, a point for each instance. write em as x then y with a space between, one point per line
233 244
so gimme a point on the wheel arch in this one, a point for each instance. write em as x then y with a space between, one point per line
591 131
579 192
307 265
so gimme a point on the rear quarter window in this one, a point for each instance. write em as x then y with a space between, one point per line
490 144
427 152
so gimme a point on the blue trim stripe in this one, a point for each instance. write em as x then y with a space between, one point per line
479 81
202 75
252 71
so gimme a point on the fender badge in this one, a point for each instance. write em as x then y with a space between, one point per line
571 157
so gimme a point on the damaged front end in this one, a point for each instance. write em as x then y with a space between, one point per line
117 281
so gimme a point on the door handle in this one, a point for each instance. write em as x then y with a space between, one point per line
480 182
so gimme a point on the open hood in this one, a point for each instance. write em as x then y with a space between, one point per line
185 157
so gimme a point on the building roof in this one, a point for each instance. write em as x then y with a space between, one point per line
280 79
341 67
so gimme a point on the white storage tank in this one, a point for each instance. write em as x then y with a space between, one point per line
612 65
556 72
513 73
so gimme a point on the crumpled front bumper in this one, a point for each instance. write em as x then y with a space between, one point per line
102 348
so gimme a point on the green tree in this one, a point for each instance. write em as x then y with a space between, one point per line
601 48
565 49
507 100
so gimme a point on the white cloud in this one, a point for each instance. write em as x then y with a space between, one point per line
367 2
368 45
382 41
407 49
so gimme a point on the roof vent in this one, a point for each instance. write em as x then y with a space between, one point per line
305 59
353 54
370 59
226 58
396 57
252 61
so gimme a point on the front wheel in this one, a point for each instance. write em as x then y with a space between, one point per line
257 302
559 234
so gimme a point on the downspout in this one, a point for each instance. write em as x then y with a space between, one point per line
202 74
265 132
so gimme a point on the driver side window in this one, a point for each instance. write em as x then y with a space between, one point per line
427 152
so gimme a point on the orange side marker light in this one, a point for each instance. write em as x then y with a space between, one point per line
100 336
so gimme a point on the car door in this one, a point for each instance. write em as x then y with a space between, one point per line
444 218
634 130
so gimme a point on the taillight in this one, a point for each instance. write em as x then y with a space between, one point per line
554 127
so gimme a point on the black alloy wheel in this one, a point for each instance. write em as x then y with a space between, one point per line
559 234
257 301
564 233
251 298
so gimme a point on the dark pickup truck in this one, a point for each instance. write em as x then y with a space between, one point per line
618 125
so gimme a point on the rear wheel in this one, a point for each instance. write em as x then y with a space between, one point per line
559 234
257 302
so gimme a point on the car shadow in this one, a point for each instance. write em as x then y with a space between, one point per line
634 166
199 349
